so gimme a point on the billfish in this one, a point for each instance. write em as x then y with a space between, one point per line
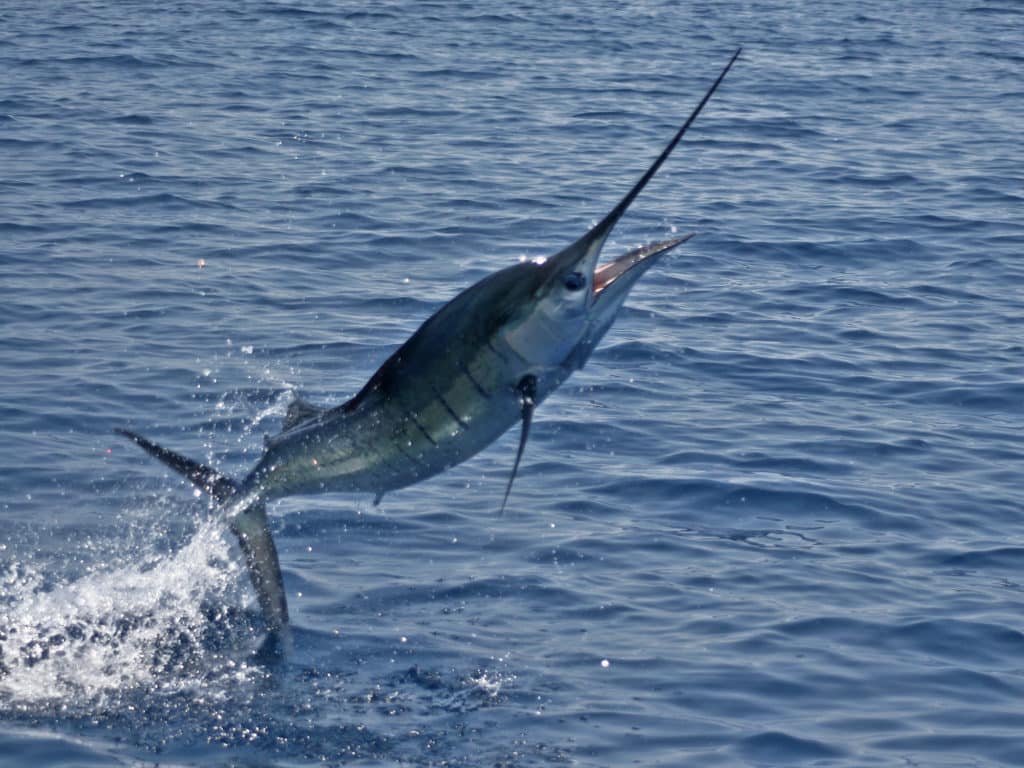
481 363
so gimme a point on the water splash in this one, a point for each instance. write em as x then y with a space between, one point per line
158 624
142 622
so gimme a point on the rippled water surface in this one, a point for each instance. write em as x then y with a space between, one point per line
778 520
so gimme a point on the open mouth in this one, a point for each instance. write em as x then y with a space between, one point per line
606 274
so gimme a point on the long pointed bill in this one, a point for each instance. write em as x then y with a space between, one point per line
584 253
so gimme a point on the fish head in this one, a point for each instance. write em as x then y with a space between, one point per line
553 312
612 282
575 300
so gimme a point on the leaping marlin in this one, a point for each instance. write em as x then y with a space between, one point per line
483 362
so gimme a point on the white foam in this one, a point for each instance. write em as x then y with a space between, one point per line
83 642
81 645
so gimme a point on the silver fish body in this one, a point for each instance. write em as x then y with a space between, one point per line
480 364
443 396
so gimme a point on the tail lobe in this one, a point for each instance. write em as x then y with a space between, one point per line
248 522
250 526
205 478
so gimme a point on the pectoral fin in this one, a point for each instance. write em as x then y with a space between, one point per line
527 389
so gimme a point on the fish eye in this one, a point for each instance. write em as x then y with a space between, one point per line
574 281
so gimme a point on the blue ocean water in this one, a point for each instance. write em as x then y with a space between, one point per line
778 520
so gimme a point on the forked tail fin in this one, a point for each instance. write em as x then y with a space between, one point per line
248 521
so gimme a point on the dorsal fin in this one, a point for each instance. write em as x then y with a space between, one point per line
300 411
